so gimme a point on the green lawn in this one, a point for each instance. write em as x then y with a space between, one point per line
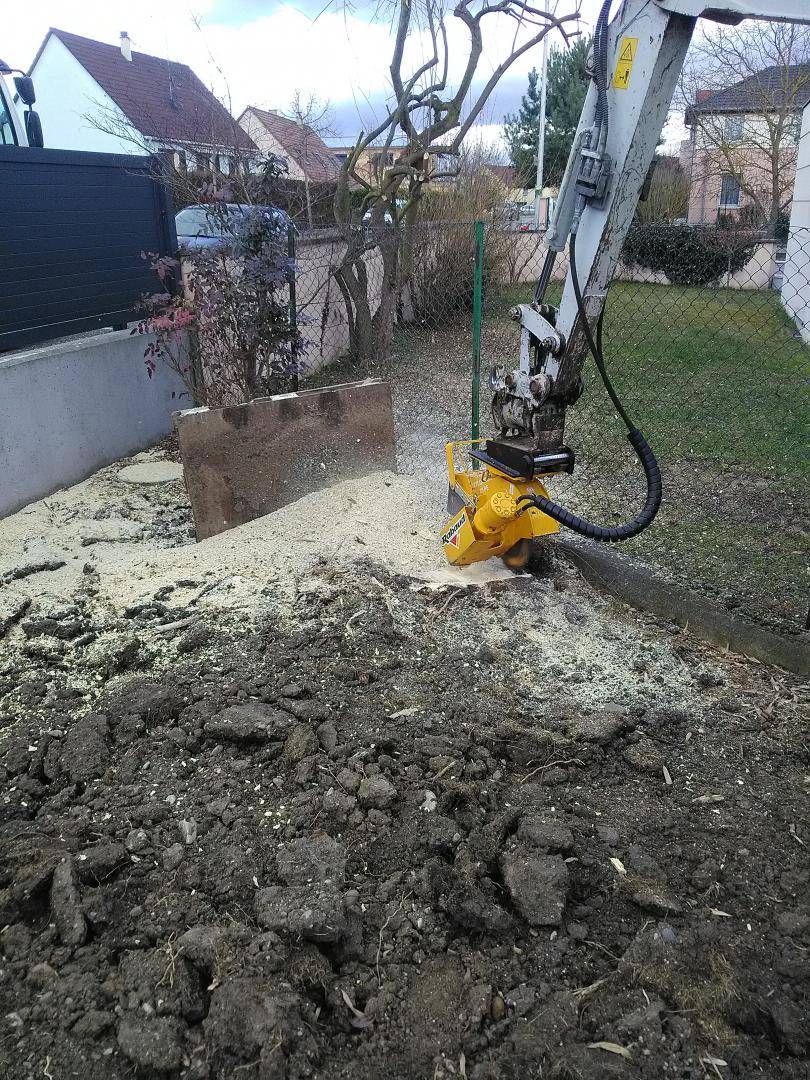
718 381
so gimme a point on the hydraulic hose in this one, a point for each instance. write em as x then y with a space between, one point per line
605 533
610 534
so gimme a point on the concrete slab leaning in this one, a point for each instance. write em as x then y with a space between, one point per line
244 461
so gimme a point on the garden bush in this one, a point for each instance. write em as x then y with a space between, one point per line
235 306
688 254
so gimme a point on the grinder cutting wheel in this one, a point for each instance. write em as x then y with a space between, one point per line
501 504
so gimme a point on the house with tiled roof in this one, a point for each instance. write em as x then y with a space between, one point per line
741 153
307 156
111 98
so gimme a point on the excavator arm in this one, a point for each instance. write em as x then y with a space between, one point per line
637 57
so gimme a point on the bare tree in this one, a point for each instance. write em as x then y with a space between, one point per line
751 133
312 117
441 284
431 116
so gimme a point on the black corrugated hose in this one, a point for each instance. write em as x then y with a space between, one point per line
604 533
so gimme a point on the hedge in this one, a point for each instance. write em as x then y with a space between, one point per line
688 254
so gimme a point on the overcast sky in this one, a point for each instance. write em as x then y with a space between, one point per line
258 52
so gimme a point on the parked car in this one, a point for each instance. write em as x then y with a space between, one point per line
387 219
202 226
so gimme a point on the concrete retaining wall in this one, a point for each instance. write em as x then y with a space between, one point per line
69 409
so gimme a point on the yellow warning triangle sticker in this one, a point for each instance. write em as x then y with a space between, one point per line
627 52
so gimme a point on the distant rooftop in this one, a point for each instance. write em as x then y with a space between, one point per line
771 88
303 144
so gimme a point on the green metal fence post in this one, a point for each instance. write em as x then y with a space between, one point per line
478 289
291 281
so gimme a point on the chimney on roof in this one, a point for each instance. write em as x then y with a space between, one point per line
703 95
126 46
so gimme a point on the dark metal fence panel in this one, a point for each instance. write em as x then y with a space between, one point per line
73 227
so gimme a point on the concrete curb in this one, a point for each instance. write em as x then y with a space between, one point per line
642 588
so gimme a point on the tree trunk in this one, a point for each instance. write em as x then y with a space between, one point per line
308 199
370 331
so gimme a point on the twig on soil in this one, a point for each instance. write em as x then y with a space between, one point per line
383 928
46 1069
597 945
249 1065
714 1062
351 619
441 772
585 992
795 835
359 1018
385 597
202 591
172 953
453 595
551 765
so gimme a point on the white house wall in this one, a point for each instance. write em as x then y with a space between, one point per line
66 95
267 144
796 287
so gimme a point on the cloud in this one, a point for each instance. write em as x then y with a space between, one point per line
253 52
259 53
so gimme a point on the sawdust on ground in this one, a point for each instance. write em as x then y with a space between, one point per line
142 548
389 518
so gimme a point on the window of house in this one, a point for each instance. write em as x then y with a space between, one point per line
7 136
342 157
729 193
181 161
204 163
733 128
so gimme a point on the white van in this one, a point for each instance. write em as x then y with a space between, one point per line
16 130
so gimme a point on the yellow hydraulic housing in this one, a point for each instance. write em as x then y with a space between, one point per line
487 523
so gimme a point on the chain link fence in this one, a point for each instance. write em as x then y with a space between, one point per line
427 358
715 371
706 339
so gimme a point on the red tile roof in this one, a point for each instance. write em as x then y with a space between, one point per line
303 144
163 100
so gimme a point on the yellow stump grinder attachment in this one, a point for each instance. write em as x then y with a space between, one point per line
489 518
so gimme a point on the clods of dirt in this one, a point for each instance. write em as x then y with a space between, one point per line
369 829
